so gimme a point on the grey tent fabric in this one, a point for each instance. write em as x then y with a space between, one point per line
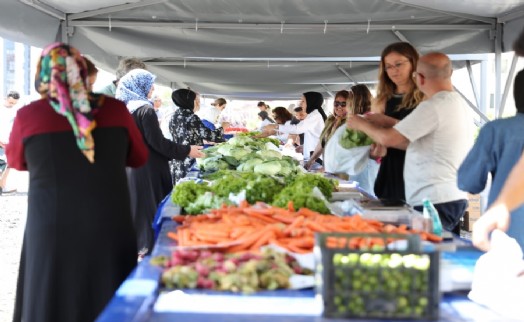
262 49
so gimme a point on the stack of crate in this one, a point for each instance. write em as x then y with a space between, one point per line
473 212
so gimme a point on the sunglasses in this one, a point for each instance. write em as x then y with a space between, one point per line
339 104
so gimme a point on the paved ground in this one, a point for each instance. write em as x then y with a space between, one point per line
13 209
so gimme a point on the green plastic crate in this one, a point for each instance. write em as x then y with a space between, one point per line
377 283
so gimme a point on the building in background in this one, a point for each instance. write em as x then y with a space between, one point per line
17 69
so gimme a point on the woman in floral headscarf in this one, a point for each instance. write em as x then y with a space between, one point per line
79 242
150 184
187 128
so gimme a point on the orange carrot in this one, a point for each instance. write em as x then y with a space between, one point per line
172 235
296 223
304 242
308 212
290 206
261 216
316 226
179 218
263 240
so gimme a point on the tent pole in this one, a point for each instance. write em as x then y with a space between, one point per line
113 9
473 107
472 81
65 32
328 91
401 36
509 81
498 69
343 71
483 85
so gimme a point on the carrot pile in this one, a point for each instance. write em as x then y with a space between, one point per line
247 228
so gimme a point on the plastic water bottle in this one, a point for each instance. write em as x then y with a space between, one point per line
431 214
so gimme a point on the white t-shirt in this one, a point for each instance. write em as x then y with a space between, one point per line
208 113
311 126
440 138
7 117
264 123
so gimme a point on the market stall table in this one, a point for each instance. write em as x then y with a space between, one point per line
136 298
139 298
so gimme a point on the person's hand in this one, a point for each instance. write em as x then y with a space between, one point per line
289 145
355 122
377 151
270 129
309 164
196 152
497 217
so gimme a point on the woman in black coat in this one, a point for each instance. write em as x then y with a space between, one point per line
187 128
149 184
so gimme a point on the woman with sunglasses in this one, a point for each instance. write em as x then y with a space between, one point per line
335 120
397 96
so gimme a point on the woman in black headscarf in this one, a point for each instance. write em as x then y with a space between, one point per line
311 126
187 128
265 119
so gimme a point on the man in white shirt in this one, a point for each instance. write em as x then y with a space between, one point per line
211 115
436 138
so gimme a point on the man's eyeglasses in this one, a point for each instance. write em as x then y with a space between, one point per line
396 65
339 104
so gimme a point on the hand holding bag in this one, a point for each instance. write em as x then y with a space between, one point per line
338 159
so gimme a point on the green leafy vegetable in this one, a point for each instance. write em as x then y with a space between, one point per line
301 199
352 138
206 202
187 192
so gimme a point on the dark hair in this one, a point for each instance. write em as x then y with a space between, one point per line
518 93
261 103
518 45
91 68
220 101
343 93
282 115
386 88
360 98
126 65
265 116
13 94
297 109
314 101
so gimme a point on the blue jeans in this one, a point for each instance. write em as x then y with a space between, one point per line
450 214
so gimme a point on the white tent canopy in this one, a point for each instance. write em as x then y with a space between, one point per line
270 49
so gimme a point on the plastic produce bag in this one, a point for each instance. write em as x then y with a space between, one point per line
498 282
340 160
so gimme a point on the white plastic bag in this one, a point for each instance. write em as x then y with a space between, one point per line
497 280
341 160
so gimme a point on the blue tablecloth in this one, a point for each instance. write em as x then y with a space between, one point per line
135 298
